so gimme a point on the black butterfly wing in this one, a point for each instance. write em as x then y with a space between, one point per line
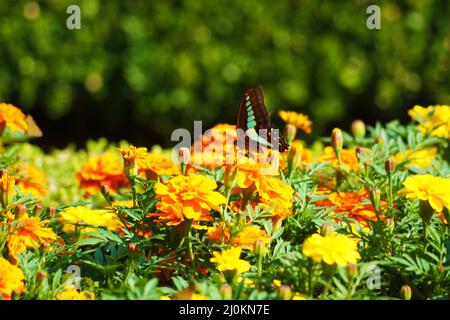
252 114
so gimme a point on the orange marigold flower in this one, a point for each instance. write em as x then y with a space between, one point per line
97 171
248 236
355 204
13 116
131 154
215 233
249 173
154 165
30 179
348 158
276 195
187 197
299 120
11 279
28 233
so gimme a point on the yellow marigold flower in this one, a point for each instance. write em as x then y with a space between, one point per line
14 117
299 296
30 179
276 283
229 260
106 169
334 248
248 236
276 195
348 158
419 158
11 279
299 120
434 120
197 296
83 215
187 197
73 294
435 190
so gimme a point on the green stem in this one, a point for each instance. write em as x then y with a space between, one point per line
189 244
391 203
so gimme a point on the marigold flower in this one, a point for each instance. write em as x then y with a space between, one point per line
229 260
435 190
249 173
419 158
299 120
28 232
215 233
90 217
105 169
73 294
30 179
349 160
276 195
434 120
11 279
355 204
130 156
334 248
14 117
187 197
154 165
247 237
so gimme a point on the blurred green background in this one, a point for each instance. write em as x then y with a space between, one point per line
139 69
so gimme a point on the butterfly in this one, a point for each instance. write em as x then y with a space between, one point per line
253 125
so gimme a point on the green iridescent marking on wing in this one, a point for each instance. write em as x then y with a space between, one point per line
251 133
251 123
248 104
250 112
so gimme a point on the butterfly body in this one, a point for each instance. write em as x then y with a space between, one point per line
254 125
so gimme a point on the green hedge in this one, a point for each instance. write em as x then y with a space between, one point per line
167 63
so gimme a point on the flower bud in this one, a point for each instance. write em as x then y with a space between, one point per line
389 165
326 229
41 275
285 292
104 188
375 196
230 176
440 267
337 140
37 209
390 223
259 247
379 139
290 132
184 155
352 270
51 211
134 247
405 292
226 292
295 155
20 210
359 151
358 128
